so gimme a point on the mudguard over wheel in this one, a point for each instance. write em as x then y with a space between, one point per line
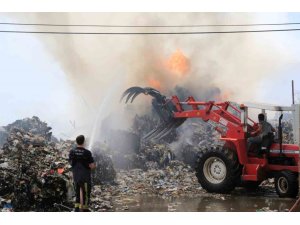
286 184
218 170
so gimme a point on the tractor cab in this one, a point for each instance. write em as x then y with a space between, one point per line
272 158
272 140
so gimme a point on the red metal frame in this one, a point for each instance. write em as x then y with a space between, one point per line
232 133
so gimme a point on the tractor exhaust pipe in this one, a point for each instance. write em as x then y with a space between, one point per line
280 134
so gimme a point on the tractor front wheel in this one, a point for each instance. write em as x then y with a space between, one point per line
286 184
218 170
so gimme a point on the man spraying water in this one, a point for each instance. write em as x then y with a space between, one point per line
82 163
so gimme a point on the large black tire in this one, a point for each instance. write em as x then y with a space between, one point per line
218 170
286 184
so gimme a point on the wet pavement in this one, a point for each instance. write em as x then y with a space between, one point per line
158 191
238 201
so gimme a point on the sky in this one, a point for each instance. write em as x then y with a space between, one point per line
278 90
33 83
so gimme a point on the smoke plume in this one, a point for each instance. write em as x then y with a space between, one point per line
211 67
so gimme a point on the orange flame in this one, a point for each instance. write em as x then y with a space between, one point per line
154 83
178 63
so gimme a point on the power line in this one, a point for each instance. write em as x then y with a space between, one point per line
148 33
106 25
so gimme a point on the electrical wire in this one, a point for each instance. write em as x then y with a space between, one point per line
148 33
106 25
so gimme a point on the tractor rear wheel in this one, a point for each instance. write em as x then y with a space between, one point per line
218 170
286 184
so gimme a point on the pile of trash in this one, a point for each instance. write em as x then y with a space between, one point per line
183 144
131 151
33 175
176 179
102 198
122 146
105 172
3 136
33 125
155 155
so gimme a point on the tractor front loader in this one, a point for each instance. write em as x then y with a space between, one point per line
222 168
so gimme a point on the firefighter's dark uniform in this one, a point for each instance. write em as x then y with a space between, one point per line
80 158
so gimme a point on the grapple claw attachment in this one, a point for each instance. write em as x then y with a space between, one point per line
163 130
157 131
163 106
133 92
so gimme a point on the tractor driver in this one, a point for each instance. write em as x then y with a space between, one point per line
264 130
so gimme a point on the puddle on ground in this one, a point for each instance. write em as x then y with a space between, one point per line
238 201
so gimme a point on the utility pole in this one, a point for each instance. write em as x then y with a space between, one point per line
293 93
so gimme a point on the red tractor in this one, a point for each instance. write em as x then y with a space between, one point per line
221 169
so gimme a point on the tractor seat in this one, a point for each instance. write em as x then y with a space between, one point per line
267 141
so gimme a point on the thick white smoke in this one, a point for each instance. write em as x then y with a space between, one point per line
233 63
